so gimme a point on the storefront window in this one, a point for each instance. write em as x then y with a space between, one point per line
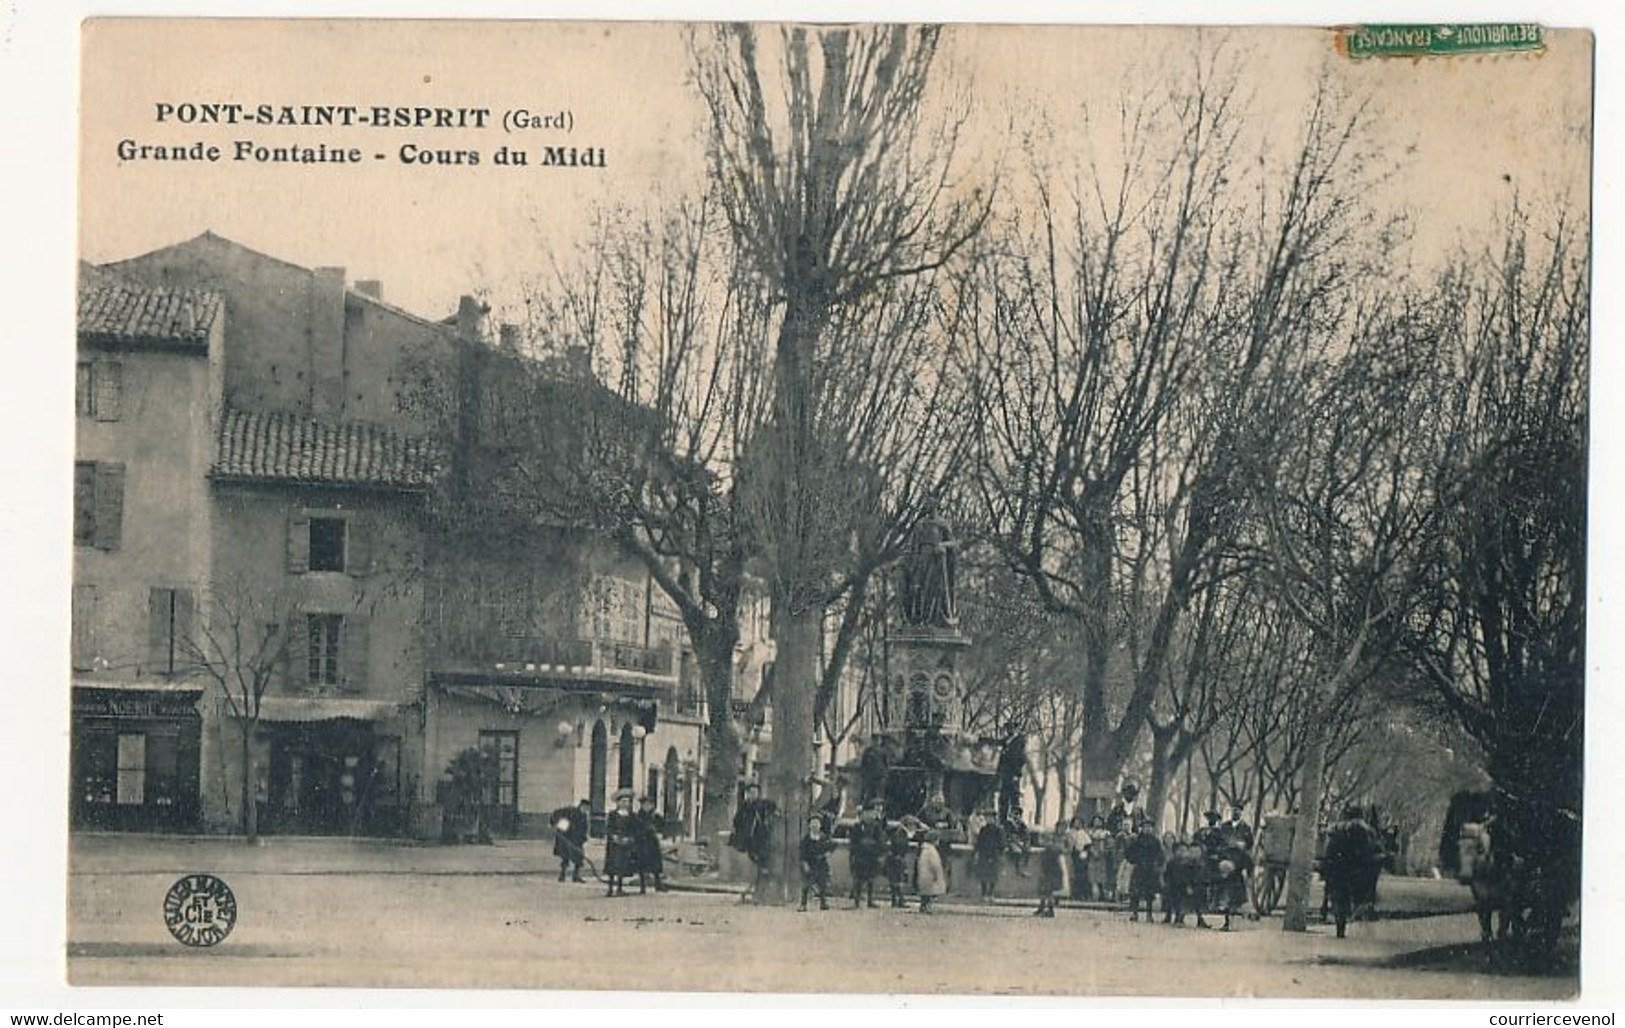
163 758
132 769
504 747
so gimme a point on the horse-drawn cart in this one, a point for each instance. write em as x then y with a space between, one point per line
1272 855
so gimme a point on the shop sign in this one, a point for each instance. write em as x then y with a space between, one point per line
106 703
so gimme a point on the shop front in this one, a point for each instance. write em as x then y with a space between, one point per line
550 744
135 758
331 767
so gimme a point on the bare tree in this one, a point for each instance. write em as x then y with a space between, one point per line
837 181
1503 638
1126 339
242 645
1345 514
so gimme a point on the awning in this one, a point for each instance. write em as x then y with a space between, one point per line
324 708
139 685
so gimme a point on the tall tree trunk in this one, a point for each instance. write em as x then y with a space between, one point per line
1304 831
251 813
1185 806
798 635
1156 803
721 737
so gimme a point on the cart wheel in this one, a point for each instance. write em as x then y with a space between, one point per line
1265 888
1258 889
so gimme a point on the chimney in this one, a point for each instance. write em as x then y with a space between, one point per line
370 287
471 318
508 339
326 381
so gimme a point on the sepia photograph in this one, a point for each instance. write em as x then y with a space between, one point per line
780 507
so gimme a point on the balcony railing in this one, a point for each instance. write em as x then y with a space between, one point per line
551 654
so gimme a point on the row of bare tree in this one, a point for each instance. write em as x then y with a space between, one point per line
1235 488
1231 479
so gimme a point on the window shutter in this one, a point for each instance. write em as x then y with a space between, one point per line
298 543
354 650
160 608
108 381
296 653
84 626
109 505
84 503
358 546
81 389
182 621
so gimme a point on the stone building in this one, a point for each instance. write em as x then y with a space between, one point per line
281 463
146 373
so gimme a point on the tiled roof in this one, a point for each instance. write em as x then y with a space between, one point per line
120 312
292 448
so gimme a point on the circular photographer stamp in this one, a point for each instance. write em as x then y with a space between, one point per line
200 910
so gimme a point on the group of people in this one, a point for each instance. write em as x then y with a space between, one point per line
878 848
1110 857
1205 873
632 846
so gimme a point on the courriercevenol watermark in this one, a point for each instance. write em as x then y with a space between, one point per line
1448 40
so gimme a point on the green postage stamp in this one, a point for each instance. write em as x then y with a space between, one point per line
1442 40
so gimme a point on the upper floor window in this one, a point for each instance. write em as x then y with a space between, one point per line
326 632
332 651
327 538
169 630
98 504
99 389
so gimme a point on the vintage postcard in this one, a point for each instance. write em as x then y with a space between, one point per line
974 509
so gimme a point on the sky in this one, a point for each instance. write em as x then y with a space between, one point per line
1462 132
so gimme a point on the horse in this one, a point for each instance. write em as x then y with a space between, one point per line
1496 881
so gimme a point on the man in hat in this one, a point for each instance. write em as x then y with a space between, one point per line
753 828
814 851
570 838
620 835
646 845
1120 819
1239 830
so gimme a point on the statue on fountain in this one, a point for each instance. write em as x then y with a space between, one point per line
928 574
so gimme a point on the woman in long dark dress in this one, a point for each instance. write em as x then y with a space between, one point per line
651 862
987 855
620 839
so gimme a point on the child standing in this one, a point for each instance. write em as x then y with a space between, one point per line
930 877
867 847
1144 851
620 834
815 850
897 846
1052 869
